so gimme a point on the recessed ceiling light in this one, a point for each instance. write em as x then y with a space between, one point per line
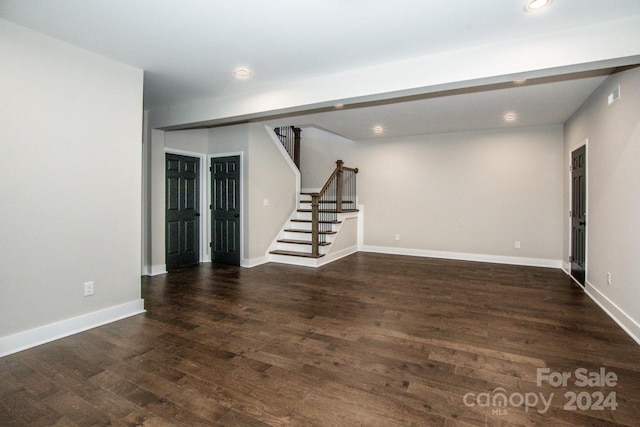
339 106
378 129
242 73
510 117
520 81
536 5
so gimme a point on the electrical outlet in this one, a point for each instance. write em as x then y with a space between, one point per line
517 244
613 96
88 289
397 237
265 202
609 279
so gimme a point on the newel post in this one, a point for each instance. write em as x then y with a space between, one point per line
296 146
315 220
339 182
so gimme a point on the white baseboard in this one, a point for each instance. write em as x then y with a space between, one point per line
626 322
313 262
53 331
566 267
253 262
496 259
292 260
333 256
156 270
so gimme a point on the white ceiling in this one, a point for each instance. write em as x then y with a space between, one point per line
534 105
190 48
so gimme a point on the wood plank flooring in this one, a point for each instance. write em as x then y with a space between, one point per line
373 340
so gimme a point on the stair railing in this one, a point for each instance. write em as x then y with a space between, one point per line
290 138
340 189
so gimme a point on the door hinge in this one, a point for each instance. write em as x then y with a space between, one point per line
210 206
210 168
570 258
570 214
210 245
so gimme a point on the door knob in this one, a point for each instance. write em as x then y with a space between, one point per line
196 214
237 215
582 223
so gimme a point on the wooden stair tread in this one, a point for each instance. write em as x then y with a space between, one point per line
319 210
294 253
321 222
296 230
329 210
327 201
301 242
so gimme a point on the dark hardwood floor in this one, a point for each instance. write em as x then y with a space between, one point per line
371 340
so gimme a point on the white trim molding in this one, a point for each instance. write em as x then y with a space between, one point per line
156 270
626 322
253 262
53 331
334 256
360 231
313 262
496 259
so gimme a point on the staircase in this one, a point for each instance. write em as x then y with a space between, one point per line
313 227
296 239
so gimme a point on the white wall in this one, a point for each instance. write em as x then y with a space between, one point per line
70 179
194 141
347 237
319 151
271 179
156 188
145 251
613 156
465 193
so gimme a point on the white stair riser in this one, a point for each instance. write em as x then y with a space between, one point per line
323 217
323 205
303 215
310 262
296 248
300 225
296 236
304 236
307 226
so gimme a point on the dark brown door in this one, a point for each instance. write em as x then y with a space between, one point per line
579 214
183 211
225 210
